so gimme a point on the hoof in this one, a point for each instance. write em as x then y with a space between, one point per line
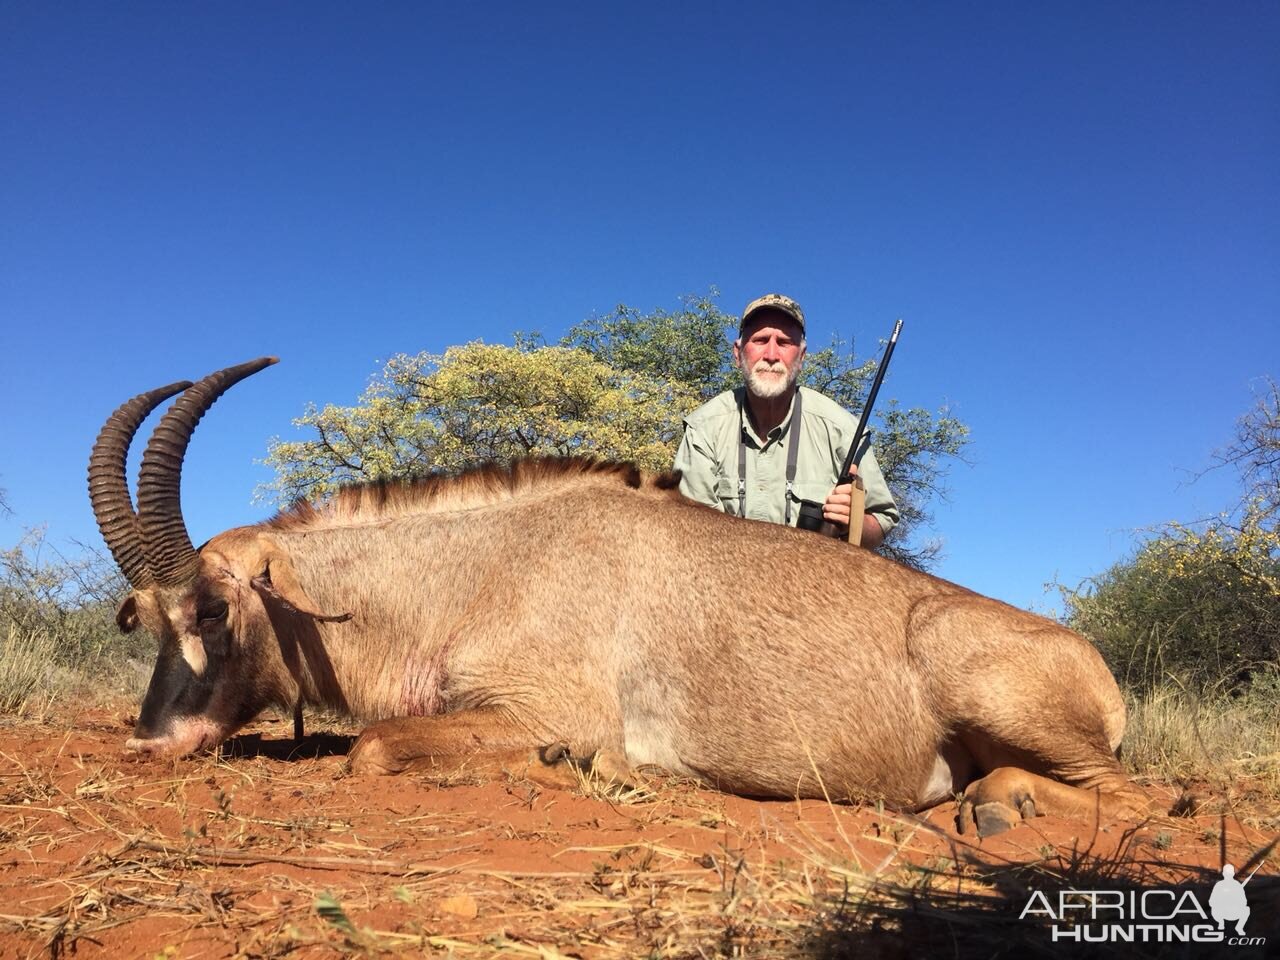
994 818
372 755
988 819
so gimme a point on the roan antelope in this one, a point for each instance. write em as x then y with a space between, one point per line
568 609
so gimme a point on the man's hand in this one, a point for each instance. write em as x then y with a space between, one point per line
838 503
836 509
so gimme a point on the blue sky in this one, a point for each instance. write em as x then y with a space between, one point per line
1074 207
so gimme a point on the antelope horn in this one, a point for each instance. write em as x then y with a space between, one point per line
173 559
109 484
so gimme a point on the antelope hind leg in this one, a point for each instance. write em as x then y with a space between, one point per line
1006 795
480 743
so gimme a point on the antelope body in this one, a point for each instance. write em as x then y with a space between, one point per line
590 609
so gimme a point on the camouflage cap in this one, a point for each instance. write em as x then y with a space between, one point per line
773 301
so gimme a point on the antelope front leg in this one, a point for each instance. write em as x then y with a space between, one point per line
482 743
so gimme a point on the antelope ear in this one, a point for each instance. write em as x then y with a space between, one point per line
279 580
127 614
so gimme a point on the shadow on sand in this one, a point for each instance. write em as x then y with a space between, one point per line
310 747
978 911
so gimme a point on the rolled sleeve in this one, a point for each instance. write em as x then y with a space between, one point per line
880 502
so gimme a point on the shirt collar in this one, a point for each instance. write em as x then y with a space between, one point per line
777 433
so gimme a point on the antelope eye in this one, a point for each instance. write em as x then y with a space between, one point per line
211 611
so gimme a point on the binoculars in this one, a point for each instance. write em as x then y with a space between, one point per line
811 518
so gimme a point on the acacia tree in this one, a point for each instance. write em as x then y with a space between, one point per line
1255 453
616 386
690 346
477 403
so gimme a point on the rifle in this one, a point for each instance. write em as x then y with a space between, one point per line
811 517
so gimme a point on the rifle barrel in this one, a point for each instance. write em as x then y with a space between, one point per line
846 472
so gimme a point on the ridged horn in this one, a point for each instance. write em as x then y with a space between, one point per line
109 483
172 558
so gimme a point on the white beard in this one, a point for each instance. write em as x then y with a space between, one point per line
766 385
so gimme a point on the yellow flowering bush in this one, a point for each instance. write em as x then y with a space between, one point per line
482 403
1201 607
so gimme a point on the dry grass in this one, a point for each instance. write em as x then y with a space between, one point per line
36 677
1174 737
26 658
640 902
200 858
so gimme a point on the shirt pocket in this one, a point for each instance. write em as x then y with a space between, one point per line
727 494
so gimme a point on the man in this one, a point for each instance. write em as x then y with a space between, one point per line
739 447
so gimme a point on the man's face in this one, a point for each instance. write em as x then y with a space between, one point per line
770 353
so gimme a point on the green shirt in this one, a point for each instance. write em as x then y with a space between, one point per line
708 459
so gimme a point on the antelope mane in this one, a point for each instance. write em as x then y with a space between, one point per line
383 500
